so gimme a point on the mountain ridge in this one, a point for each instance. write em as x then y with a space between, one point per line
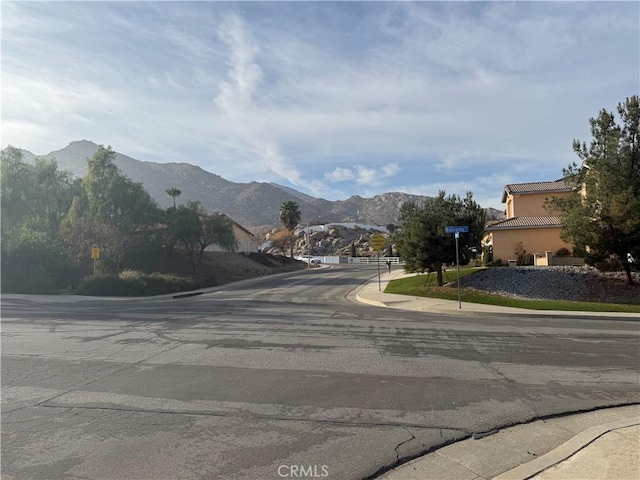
238 200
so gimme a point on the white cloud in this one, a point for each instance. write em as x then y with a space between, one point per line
390 170
366 176
363 97
362 175
340 175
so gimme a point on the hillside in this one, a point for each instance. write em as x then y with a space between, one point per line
238 200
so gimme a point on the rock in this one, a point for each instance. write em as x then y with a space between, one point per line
555 283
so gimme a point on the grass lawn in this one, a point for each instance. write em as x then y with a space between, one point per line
425 286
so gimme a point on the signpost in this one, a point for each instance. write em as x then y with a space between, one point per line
95 255
457 229
377 241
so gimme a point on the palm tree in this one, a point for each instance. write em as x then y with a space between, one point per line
289 214
173 192
289 217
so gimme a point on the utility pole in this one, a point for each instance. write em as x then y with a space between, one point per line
458 265
308 247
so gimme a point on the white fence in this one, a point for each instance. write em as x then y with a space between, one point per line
358 260
374 260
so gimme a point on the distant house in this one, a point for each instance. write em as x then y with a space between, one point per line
246 241
527 221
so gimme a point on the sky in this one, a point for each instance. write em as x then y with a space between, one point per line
331 98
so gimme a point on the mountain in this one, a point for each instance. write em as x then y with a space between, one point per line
251 204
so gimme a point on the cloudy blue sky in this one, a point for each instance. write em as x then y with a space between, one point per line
332 98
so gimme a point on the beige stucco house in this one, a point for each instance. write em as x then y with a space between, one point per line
527 221
246 241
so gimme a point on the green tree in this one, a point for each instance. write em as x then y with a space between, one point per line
352 250
194 229
173 192
34 200
33 191
389 250
112 212
422 241
602 215
290 216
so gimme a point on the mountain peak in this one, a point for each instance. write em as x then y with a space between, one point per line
83 143
251 204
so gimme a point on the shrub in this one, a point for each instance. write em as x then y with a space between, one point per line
35 286
110 286
609 265
131 275
132 283
487 255
527 259
563 252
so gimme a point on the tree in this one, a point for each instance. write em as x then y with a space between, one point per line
352 250
602 214
34 200
173 192
389 250
289 216
33 191
422 240
112 212
195 230
282 240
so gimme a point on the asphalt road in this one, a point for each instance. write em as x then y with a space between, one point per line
282 378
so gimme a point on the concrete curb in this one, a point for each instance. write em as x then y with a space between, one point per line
565 450
167 296
367 301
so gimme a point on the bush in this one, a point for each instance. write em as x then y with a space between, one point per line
487 255
133 283
563 252
131 275
496 263
522 257
610 265
35 272
526 259
35 286
110 286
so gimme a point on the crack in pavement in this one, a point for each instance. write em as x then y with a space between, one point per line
264 417
413 437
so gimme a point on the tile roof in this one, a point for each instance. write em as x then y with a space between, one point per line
535 187
527 222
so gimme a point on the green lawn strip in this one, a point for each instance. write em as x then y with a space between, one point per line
417 288
425 280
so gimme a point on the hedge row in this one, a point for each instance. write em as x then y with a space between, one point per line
132 283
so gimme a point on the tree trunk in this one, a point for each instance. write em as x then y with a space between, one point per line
200 255
194 265
439 276
627 270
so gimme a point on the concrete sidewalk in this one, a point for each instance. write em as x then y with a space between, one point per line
599 445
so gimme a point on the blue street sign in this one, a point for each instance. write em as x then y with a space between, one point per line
455 229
